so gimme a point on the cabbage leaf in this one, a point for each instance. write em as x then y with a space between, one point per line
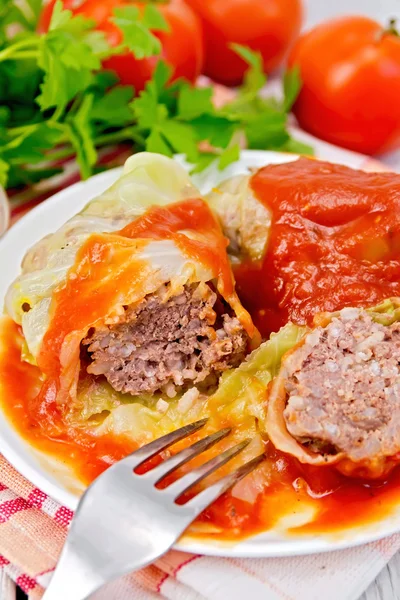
244 219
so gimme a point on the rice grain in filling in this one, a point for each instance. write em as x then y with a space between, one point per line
168 342
343 388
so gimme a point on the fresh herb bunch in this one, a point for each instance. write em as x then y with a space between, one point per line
57 102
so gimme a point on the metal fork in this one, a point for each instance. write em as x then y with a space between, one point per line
123 522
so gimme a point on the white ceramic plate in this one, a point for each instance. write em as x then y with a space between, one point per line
49 477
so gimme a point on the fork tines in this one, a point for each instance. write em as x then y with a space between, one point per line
179 489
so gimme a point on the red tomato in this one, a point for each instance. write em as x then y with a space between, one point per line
350 68
269 26
182 45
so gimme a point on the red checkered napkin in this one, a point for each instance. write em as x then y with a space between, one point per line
33 529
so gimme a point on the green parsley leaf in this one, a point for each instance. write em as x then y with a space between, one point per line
160 78
34 8
252 58
147 110
20 176
154 19
68 54
97 42
24 114
55 97
167 131
194 102
156 89
24 14
30 145
103 80
27 147
266 131
4 168
80 133
5 114
67 65
165 92
180 137
255 77
113 107
62 18
74 54
11 14
136 29
263 120
229 156
60 84
156 143
291 87
19 84
155 103
218 130
59 17
204 160
79 32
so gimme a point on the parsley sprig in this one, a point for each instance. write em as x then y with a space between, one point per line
56 101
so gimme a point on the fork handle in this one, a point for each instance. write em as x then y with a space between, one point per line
72 579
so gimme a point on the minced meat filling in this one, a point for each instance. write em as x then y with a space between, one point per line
167 342
344 387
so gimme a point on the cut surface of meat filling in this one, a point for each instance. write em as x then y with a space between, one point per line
167 342
343 387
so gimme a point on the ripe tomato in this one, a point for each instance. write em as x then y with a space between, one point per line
269 26
350 68
182 45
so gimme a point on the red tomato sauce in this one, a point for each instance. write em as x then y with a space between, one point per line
334 242
339 501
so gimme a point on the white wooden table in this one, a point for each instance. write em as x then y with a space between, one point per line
387 585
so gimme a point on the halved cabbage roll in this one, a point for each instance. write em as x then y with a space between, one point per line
132 299
336 399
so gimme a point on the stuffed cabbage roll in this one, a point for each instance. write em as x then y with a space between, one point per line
336 399
309 236
131 300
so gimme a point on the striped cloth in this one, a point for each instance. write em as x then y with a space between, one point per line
33 526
